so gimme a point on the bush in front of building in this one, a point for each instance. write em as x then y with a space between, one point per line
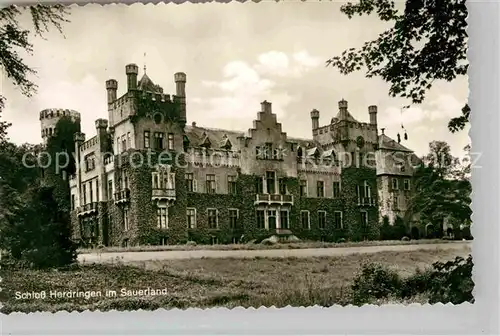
448 282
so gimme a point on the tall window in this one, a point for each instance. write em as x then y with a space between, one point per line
303 188
395 201
162 217
124 143
158 140
367 189
110 189
191 218
321 188
364 218
72 202
268 149
162 179
84 194
261 222
170 142
395 183
212 218
406 183
322 219
259 185
271 181
210 184
231 184
91 192
336 189
233 218
125 220
129 140
271 219
282 186
189 182
304 219
147 139
97 190
156 180
284 219
337 219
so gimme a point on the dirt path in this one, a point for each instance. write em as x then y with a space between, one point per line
275 253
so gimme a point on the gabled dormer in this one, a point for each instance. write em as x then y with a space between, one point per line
226 143
205 142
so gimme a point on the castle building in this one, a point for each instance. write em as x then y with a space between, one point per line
147 177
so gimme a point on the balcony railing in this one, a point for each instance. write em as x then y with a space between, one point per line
122 196
366 201
163 194
274 199
88 208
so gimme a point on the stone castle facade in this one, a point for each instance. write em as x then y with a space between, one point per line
147 177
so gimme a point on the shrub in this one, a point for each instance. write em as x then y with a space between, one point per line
386 231
466 234
452 281
399 229
444 282
374 282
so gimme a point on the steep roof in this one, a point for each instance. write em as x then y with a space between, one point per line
146 84
347 116
218 138
384 142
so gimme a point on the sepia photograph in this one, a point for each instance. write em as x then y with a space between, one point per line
234 155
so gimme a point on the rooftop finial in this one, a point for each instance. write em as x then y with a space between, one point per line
144 63
382 129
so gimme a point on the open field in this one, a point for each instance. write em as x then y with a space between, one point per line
268 253
210 282
284 246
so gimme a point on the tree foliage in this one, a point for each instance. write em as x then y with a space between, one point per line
442 191
14 38
37 231
427 42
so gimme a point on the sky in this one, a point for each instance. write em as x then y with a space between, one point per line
235 55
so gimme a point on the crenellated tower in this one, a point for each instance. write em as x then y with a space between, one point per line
50 117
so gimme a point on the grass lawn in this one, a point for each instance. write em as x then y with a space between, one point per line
297 245
209 282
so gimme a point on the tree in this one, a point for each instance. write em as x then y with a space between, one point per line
427 42
14 38
37 232
439 192
440 159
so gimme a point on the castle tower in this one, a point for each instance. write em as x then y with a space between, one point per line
50 117
180 92
372 110
315 119
111 88
79 140
343 109
132 70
